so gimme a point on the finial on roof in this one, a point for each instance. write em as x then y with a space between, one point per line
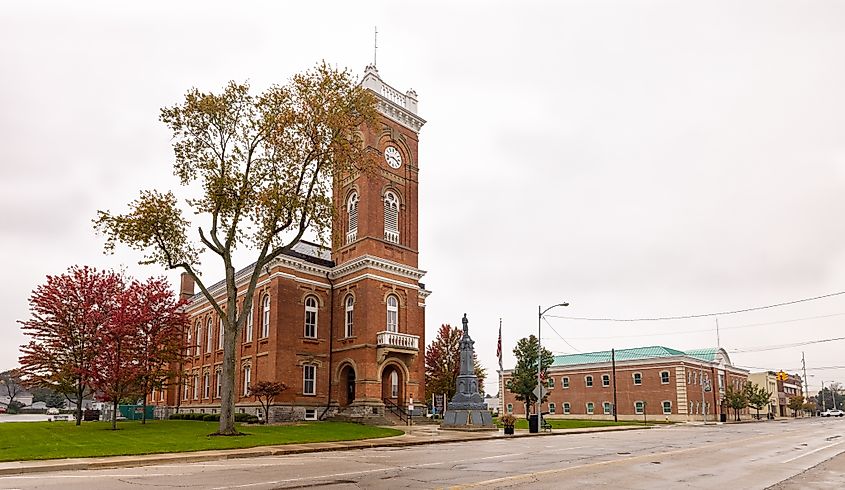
375 46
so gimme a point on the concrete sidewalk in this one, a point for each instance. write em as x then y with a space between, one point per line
414 436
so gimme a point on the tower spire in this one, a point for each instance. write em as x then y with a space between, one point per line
375 45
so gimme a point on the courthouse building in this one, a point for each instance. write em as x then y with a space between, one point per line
656 382
344 326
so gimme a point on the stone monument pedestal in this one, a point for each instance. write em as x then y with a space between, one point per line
467 410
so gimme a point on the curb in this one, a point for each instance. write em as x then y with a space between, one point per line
45 466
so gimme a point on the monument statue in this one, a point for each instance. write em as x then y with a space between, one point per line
467 410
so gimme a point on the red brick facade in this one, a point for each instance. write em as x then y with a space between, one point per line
660 388
370 275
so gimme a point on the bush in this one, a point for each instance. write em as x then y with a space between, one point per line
213 417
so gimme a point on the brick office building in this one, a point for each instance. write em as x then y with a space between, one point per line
341 326
656 381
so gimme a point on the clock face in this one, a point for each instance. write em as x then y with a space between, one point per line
393 157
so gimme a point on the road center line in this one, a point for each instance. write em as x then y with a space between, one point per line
811 452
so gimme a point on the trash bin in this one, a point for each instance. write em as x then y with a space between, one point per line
533 424
723 417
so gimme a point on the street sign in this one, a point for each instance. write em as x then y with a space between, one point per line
540 391
707 387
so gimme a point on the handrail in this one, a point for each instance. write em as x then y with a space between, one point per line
396 410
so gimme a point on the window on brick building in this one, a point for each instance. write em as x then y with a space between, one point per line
638 378
590 408
309 379
209 335
394 385
509 408
689 377
551 408
605 380
391 217
566 408
588 381
249 331
206 385
265 316
189 342
392 313
311 317
350 310
196 387
220 336
352 212
664 377
198 338
606 408
639 407
550 383
247 379
667 408
187 387
218 375
564 381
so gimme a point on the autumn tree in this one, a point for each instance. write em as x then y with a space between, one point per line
795 404
265 393
524 376
757 396
263 167
737 399
115 370
67 313
11 384
160 323
443 363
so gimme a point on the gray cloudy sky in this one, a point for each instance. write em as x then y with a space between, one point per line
635 158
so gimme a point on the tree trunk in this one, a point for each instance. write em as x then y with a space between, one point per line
79 393
114 415
227 385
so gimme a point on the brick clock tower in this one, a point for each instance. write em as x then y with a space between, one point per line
378 336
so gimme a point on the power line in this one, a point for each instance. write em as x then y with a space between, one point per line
785 346
700 315
561 337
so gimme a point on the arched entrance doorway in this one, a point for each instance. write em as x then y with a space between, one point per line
347 379
393 384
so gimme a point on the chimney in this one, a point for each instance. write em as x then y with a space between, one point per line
186 291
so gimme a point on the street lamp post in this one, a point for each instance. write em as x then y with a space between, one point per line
540 313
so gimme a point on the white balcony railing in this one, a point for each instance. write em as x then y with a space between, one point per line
391 236
398 340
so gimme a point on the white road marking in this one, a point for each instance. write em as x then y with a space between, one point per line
811 452
43 476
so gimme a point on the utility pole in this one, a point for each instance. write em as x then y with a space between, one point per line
703 402
822 394
613 363
806 383
718 341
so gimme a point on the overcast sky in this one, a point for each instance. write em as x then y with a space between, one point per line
634 158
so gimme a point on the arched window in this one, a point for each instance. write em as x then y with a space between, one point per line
248 331
220 336
209 335
311 317
391 217
392 314
198 339
350 309
265 317
394 385
247 379
352 211
189 342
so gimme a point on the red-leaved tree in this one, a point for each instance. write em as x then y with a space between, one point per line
161 321
266 392
115 371
67 314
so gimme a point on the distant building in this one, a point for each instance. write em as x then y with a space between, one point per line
768 380
492 403
786 390
656 381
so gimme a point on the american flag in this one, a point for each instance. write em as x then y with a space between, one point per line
499 345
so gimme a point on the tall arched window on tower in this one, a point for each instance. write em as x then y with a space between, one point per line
209 335
392 314
391 217
352 211
311 317
394 385
350 309
248 332
265 317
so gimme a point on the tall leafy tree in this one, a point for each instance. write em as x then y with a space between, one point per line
67 314
737 399
757 396
795 404
263 166
160 323
443 363
524 376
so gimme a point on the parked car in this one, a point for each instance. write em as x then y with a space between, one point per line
2 409
833 413
52 411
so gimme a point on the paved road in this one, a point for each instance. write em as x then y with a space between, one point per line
744 456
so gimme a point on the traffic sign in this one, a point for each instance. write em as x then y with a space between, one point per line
540 391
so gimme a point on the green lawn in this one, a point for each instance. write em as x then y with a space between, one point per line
521 423
49 440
